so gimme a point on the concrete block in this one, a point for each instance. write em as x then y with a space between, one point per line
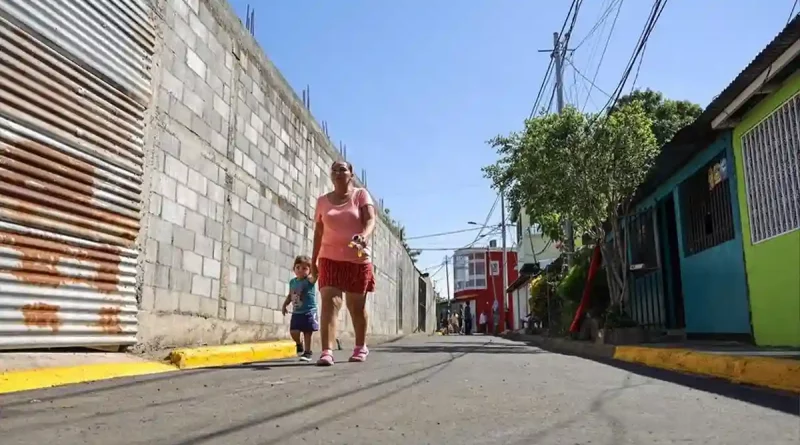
233 274
203 245
148 298
215 289
213 230
211 268
195 222
160 230
262 299
249 296
172 84
161 276
195 63
197 182
173 212
209 307
189 303
255 314
166 300
164 186
176 169
201 286
193 262
193 102
242 313
151 250
180 280
183 238
198 27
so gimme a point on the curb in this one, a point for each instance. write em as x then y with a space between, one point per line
781 374
182 358
213 356
768 372
25 380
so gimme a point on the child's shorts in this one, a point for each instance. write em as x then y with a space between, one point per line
304 322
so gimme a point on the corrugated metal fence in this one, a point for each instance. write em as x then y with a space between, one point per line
74 84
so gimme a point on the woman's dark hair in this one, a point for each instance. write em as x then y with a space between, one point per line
302 259
349 165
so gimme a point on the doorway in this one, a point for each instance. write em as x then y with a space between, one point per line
670 258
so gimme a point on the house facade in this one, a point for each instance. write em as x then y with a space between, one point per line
478 281
767 147
714 244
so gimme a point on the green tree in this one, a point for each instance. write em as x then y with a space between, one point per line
579 166
668 116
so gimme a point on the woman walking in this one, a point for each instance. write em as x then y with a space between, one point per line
343 224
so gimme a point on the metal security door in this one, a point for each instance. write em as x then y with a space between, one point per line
74 85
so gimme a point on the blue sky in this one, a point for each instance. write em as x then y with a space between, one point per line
414 88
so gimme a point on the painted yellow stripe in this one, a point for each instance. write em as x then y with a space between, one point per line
232 354
14 381
783 374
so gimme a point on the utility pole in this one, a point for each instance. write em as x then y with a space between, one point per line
505 253
447 278
558 52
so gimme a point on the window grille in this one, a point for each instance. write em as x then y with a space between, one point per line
706 209
771 159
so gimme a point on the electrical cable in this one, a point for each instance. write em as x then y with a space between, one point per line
655 13
599 22
575 68
452 232
603 54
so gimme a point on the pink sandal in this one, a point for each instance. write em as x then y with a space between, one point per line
360 354
325 359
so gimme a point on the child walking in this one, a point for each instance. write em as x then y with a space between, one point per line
304 307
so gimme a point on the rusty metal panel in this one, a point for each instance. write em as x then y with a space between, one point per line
74 86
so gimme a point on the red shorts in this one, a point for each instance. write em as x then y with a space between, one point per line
355 278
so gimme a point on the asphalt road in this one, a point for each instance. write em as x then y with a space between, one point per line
422 390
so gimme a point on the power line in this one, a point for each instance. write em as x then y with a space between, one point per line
603 54
452 232
655 13
575 68
599 22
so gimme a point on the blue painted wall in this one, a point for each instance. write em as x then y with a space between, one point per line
714 282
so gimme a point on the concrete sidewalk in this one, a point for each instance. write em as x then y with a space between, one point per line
775 369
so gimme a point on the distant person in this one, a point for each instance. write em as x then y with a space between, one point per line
461 319
482 322
304 307
468 320
343 224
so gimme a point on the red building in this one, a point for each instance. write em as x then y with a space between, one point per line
478 280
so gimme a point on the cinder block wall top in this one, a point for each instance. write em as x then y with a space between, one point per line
235 163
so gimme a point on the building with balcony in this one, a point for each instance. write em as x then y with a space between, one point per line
478 282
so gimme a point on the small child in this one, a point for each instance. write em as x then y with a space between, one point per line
304 307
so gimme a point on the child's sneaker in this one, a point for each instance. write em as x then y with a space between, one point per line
299 349
360 354
306 357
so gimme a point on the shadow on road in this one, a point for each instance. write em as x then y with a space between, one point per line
456 348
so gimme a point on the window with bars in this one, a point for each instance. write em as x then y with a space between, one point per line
706 210
643 240
771 157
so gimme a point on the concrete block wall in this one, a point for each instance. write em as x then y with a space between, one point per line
234 166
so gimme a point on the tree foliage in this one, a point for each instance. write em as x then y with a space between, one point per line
667 115
578 166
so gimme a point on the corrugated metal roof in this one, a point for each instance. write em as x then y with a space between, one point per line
693 138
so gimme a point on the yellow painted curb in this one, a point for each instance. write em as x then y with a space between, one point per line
14 381
211 356
770 372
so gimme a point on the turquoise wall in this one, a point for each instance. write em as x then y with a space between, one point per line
713 281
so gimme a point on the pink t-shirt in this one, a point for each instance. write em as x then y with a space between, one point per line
341 223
